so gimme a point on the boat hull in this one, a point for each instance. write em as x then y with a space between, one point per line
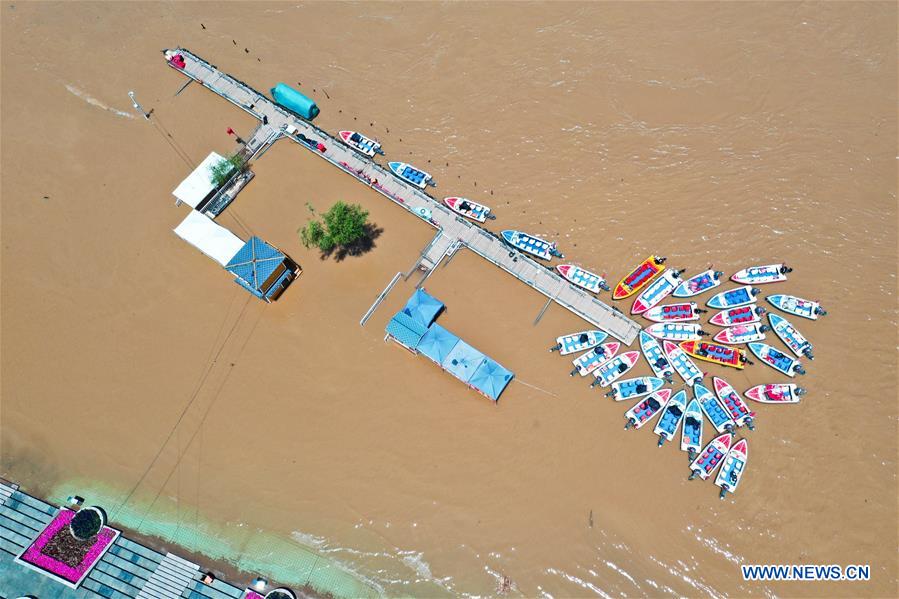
582 278
638 278
700 283
467 208
758 275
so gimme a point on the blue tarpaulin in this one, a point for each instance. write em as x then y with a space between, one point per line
463 361
437 343
260 268
423 308
405 330
491 379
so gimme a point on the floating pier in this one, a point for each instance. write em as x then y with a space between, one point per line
453 230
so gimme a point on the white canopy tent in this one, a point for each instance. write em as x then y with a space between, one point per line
215 241
198 185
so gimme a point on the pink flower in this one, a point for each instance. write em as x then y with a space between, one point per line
34 554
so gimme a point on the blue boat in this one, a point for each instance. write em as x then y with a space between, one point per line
715 412
531 245
635 387
652 351
732 470
776 359
796 305
691 433
410 174
696 284
671 417
792 338
711 457
732 298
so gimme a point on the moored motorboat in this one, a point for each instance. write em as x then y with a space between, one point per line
756 275
776 359
615 368
469 209
683 365
636 279
410 174
656 291
741 315
711 457
733 403
635 387
691 432
671 416
732 469
583 278
592 359
676 331
733 298
716 354
646 408
775 393
361 143
575 342
792 338
708 279
531 245
682 312
656 358
797 306
742 333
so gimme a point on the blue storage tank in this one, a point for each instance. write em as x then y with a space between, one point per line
294 101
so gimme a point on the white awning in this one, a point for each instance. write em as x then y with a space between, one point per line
215 241
198 184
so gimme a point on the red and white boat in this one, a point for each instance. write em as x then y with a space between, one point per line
360 143
682 312
775 393
469 209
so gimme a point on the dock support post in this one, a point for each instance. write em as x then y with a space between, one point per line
543 311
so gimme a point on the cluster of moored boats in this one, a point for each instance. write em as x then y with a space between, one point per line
675 339
671 342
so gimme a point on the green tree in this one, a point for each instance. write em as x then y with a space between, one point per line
344 225
223 170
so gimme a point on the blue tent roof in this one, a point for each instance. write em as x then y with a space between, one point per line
405 330
491 379
423 308
437 343
255 262
462 361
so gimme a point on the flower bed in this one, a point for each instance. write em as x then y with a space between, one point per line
59 555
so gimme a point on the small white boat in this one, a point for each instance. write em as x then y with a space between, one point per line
741 315
733 403
583 278
594 358
755 275
645 409
776 393
777 359
742 333
676 331
697 284
732 470
668 422
733 298
683 365
715 412
656 291
360 143
797 306
575 342
410 174
531 245
711 457
635 387
657 360
614 369
691 432
682 312
792 338
469 209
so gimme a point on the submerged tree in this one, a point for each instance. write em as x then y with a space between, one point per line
223 170
344 225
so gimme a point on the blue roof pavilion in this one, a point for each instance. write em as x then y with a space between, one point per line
262 269
491 379
423 308
437 343
462 361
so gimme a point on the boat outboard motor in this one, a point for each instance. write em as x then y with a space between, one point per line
800 391
799 369
718 274
759 310
660 260
754 291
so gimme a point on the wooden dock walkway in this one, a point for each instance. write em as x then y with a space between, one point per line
453 229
